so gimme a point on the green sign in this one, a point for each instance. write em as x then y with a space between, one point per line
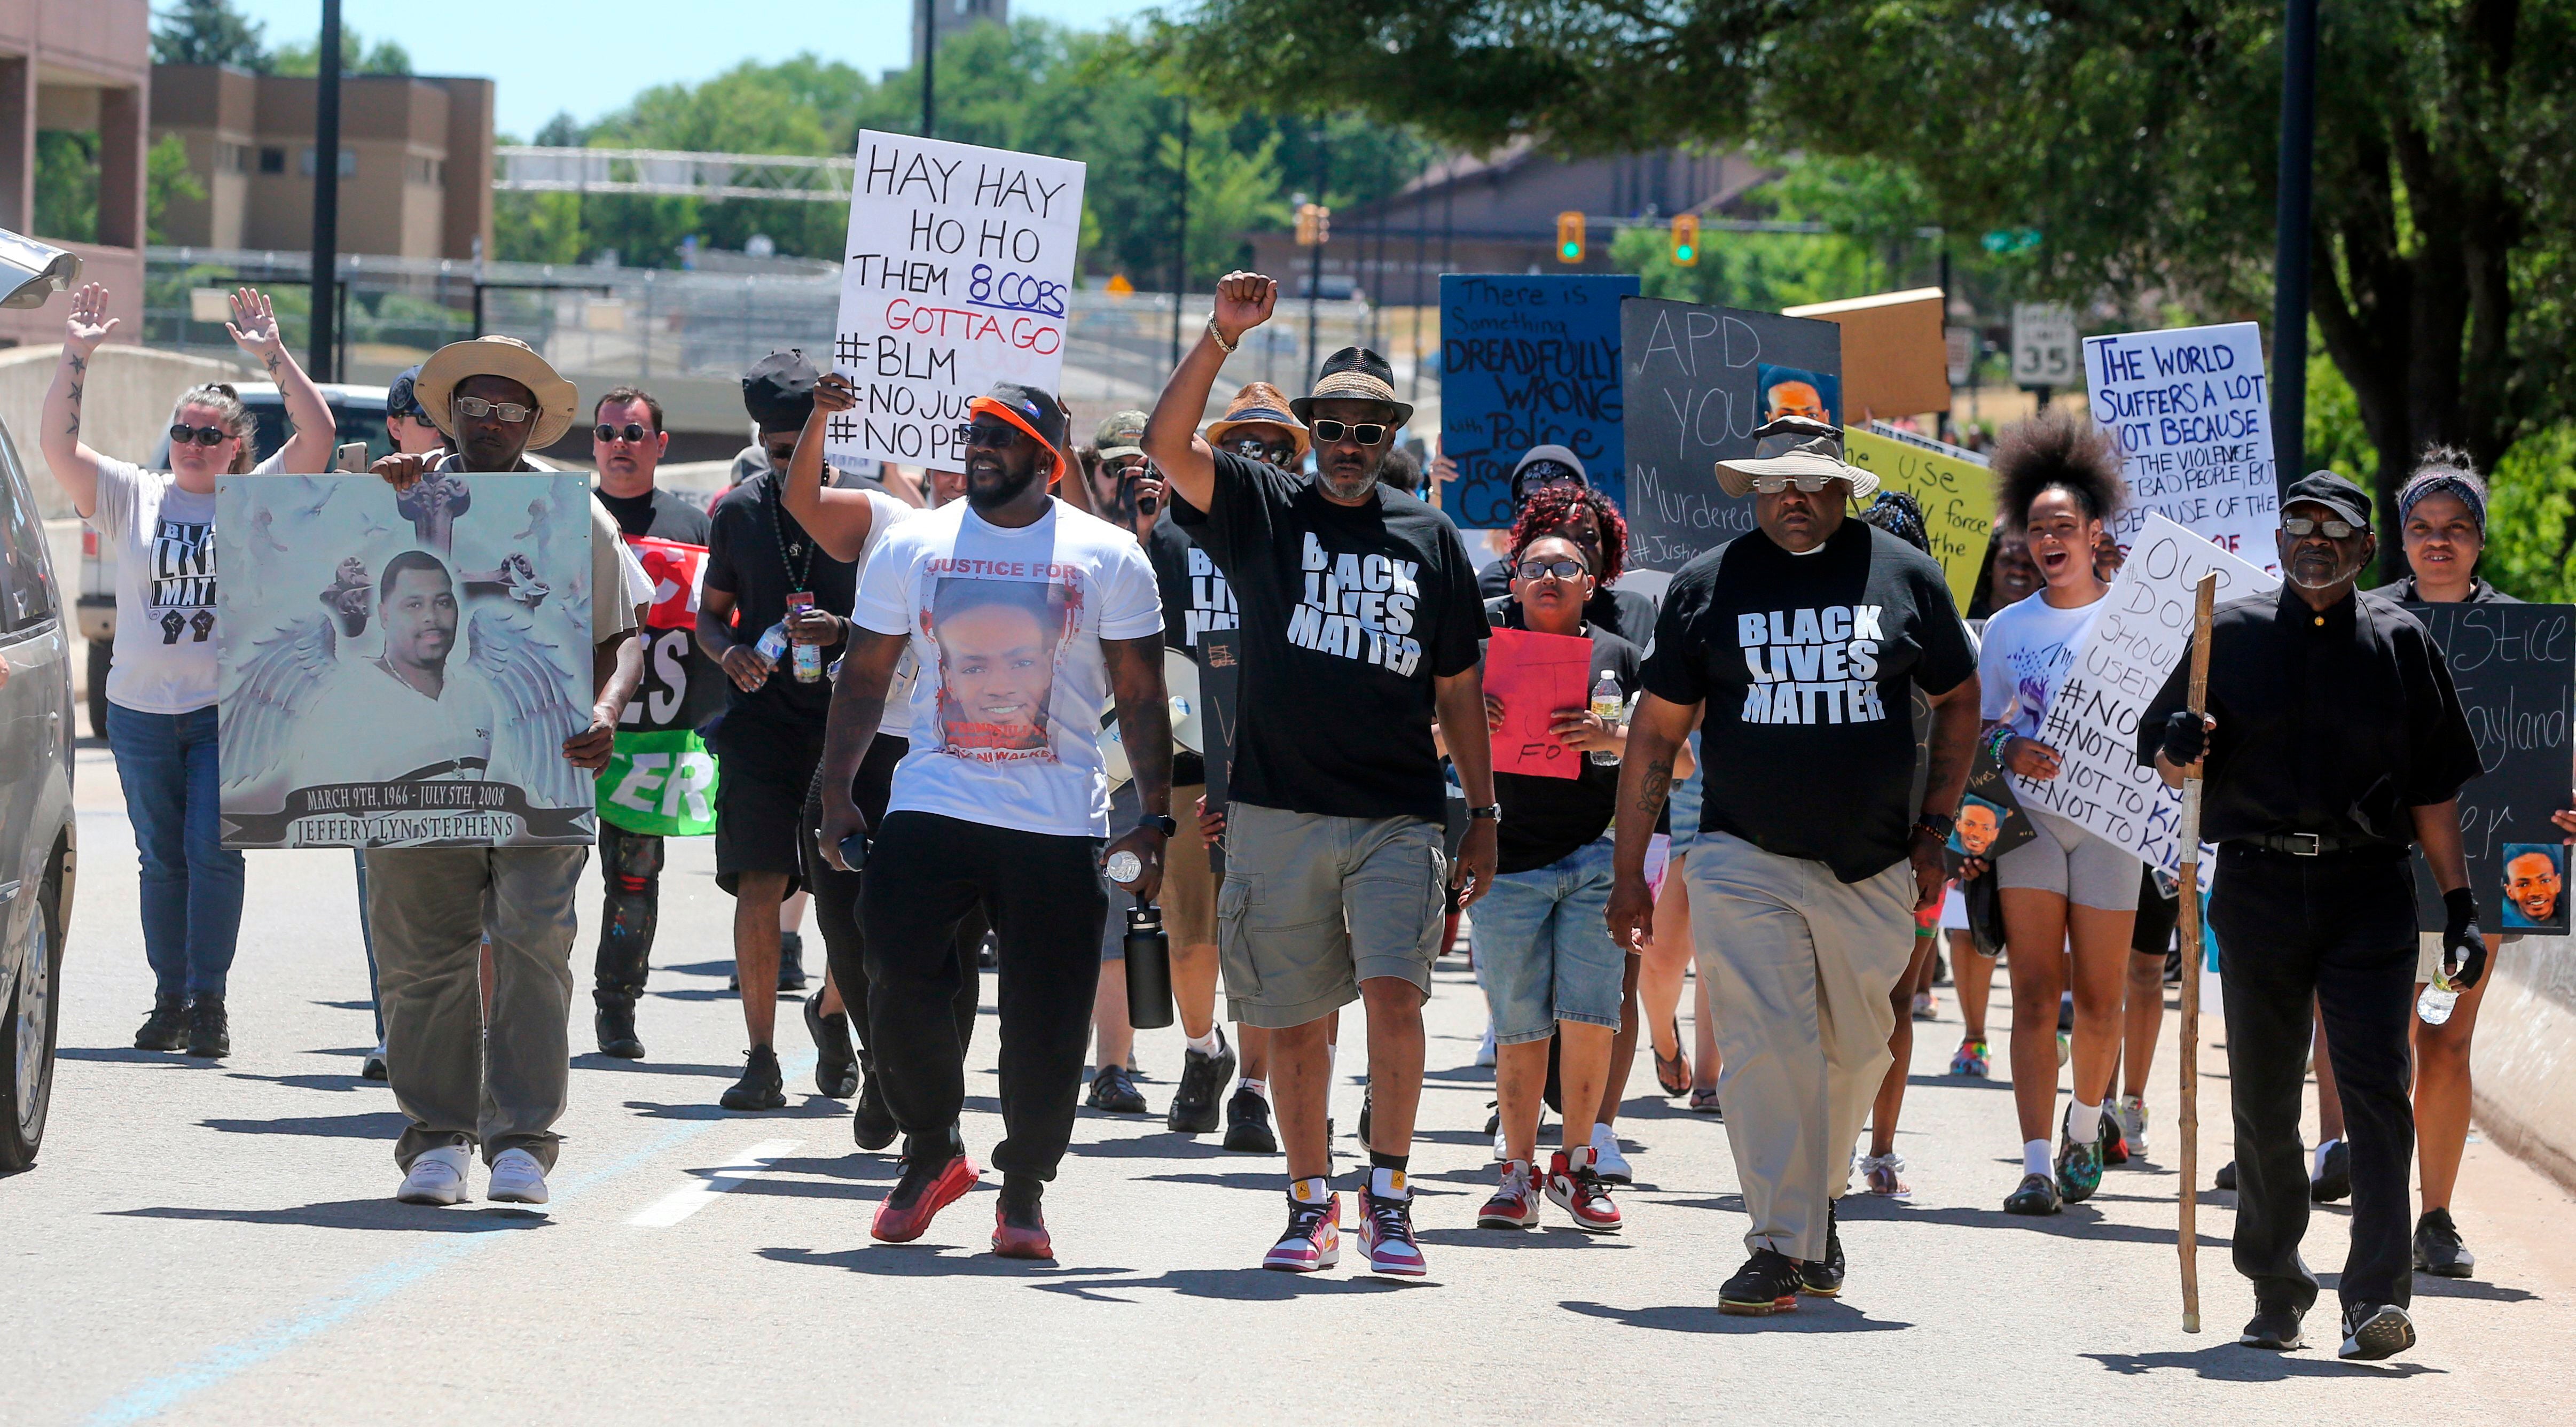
661 783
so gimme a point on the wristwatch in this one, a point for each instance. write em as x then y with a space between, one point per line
1493 811
1163 823
1937 824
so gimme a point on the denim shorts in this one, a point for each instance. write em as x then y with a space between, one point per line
1543 948
1683 804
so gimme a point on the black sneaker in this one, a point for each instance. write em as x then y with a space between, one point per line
2275 1327
2037 1195
1114 1092
1367 1102
2334 1177
615 1023
2372 1331
1247 1123
209 1033
1203 1078
2112 1142
2438 1250
836 1062
167 1027
1825 1279
1767 1284
791 961
872 1125
373 1067
2226 1178
761 1086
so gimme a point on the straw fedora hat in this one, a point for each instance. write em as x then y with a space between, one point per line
1796 446
1258 404
435 387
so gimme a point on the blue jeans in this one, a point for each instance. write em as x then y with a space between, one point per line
192 887
1543 947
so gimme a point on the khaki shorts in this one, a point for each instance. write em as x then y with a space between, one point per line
1312 906
1189 882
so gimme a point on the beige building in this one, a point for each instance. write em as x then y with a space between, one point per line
83 66
415 160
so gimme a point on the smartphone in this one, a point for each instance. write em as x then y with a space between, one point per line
854 851
351 457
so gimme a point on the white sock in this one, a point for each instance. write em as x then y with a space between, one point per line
2034 1157
1257 1087
1207 1044
2085 1124
1389 1184
1308 1191
1332 1059
2320 1171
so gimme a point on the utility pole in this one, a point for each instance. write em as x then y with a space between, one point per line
929 58
1315 267
1181 236
2290 258
323 341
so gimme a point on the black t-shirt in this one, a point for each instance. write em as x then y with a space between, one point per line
1195 601
1805 663
1626 613
1546 819
657 514
1348 614
759 554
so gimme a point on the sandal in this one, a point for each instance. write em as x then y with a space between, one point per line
1704 1102
1674 1073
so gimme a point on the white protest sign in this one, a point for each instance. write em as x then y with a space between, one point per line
957 269
2192 412
2092 718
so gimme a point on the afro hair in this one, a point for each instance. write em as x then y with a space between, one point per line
2057 448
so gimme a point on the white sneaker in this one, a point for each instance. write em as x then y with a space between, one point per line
1485 1050
2131 1112
1607 1162
517 1178
437 1177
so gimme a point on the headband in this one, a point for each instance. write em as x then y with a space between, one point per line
2467 491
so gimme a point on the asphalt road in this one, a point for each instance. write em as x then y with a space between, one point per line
217 1244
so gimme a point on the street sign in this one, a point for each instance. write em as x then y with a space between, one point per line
2043 344
1959 347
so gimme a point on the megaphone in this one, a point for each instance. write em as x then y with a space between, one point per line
31 272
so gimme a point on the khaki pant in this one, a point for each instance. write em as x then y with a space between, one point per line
1800 966
429 908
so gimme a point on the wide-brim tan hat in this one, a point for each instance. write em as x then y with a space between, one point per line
1796 446
1258 404
557 399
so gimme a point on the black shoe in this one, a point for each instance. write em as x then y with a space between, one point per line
2334 1178
988 955
373 1067
1247 1123
2438 1250
1366 1103
2226 1177
1767 1284
167 1027
2112 1142
2037 1195
2066 1018
836 1063
615 1023
2372 1331
209 1033
872 1125
1114 1092
1825 1279
761 1086
2273 1327
791 961
1203 1078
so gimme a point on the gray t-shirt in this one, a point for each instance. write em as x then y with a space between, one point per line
164 540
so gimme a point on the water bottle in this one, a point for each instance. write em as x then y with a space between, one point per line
1149 968
773 642
1606 705
2434 1006
809 657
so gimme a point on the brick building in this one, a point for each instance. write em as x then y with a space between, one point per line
82 67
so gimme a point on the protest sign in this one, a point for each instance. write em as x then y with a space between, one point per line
2515 667
955 278
661 779
401 670
1527 361
1221 684
1535 677
1953 486
1695 384
1895 357
2092 718
2191 411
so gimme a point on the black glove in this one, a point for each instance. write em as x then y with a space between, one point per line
2186 738
2461 941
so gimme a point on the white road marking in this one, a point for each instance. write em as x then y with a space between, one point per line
679 1204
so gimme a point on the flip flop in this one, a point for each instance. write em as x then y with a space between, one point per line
1674 1073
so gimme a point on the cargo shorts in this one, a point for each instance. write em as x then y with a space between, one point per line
1312 906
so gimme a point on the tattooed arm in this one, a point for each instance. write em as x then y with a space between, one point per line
74 464
254 330
1655 746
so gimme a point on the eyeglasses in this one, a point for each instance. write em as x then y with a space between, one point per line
475 408
999 435
1367 434
181 434
1773 485
1253 448
632 433
1542 569
2301 526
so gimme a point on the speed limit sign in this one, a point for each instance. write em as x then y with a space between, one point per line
2043 344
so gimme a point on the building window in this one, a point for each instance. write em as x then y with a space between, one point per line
348 162
274 161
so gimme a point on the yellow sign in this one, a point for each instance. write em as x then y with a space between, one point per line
1119 286
1956 492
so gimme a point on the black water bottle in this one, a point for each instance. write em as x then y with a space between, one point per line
1149 968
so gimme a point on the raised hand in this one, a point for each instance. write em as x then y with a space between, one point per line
88 325
1243 301
254 327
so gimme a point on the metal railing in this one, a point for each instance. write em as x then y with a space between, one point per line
671 173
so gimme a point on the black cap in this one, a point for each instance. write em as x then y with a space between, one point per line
778 391
1038 408
2327 489
399 400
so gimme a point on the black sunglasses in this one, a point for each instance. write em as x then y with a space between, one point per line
1367 434
632 433
999 435
181 434
1253 448
1562 569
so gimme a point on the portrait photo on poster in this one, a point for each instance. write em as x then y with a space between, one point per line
2535 886
1979 823
401 670
997 642
1792 391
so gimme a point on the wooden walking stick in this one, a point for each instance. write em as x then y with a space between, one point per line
2188 1240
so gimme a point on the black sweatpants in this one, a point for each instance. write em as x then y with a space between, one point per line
1043 893
2339 929
836 901
630 875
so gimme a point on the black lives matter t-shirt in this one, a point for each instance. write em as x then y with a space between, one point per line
1348 614
1196 600
1806 663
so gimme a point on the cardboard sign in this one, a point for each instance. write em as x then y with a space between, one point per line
2092 718
2191 410
1221 684
2515 667
956 275
1953 486
1536 677
1528 361
1696 383
1895 356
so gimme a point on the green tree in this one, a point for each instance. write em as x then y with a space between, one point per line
304 57
67 185
208 32
166 176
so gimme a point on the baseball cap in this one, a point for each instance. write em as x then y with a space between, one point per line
2336 494
400 399
1122 434
778 391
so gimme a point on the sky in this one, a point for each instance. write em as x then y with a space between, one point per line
591 56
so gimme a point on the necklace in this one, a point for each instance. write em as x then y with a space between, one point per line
796 555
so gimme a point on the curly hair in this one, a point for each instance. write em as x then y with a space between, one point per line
1551 508
2058 448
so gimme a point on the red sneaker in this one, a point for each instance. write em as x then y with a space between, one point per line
1026 1239
1515 1201
924 1190
1386 1236
1313 1240
1576 1188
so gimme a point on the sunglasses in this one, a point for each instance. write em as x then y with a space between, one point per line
1773 485
1559 569
998 435
1253 448
1367 434
181 435
475 408
2300 526
632 433
779 453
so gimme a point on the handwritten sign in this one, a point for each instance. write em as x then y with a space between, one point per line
1536 677
1528 361
2191 409
1696 383
2515 667
1952 484
956 275
2092 718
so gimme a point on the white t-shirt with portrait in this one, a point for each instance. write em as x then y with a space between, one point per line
2027 648
1006 625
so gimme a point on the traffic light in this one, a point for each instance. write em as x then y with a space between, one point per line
1569 236
1314 225
1685 239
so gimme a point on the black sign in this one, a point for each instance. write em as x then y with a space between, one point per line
1221 684
2515 665
1990 821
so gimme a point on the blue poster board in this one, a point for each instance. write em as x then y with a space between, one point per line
1528 361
